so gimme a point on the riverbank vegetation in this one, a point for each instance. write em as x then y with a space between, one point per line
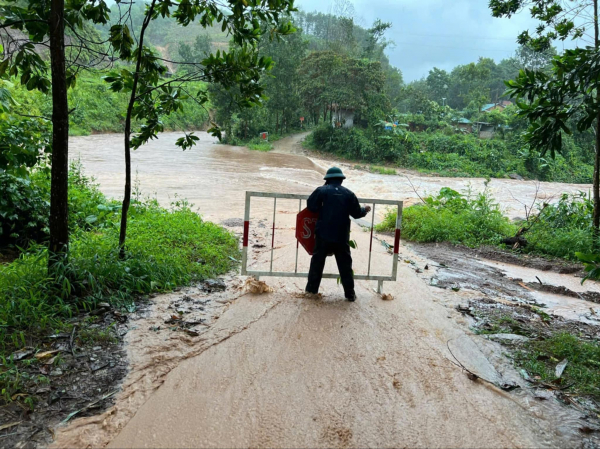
561 229
167 248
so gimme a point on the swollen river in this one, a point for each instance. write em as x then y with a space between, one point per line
215 177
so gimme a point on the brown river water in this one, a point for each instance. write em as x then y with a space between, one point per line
281 370
215 177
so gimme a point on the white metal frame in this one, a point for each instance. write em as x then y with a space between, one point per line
295 274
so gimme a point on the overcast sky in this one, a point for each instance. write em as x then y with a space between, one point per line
437 33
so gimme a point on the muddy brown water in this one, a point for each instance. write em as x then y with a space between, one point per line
215 177
281 370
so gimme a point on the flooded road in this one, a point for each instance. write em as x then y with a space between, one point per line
215 177
283 370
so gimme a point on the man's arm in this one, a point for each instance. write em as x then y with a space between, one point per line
314 201
356 211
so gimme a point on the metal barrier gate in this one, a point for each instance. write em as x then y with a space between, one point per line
300 198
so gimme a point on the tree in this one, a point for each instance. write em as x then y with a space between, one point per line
330 80
151 96
438 82
30 27
568 96
199 50
282 83
376 44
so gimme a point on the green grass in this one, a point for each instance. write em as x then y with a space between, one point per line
97 109
165 248
583 369
382 170
262 146
562 230
452 217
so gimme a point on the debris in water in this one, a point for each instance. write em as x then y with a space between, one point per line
311 295
560 368
46 354
106 396
173 319
21 354
387 297
257 287
214 285
543 395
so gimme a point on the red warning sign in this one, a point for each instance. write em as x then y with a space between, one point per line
306 223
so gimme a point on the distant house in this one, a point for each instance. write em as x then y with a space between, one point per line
464 124
500 106
342 117
484 130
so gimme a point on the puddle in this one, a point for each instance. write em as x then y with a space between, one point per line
559 305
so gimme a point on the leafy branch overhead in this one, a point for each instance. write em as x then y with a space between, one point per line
553 103
241 67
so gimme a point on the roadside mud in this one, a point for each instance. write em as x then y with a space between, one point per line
177 326
71 374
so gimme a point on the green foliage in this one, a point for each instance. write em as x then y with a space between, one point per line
563 228
453 217
166 248
258 144
591 262
382 170
454 154
24 142
24 210
540 358
98 109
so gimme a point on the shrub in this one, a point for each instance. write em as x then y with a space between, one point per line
165 248
563 228
24 210
453 217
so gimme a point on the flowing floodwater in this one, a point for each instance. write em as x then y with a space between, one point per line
215 177
281 370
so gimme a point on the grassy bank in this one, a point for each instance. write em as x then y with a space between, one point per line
166 248
97 109
562 229
454 155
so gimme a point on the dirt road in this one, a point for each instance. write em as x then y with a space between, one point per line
282 370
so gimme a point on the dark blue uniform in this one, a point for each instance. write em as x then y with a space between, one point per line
335 205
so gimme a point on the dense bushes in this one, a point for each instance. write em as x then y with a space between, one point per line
557 230
453 155
24 210
165 248
452 217
563 228
97 109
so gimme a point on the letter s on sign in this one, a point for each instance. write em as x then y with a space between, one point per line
307 232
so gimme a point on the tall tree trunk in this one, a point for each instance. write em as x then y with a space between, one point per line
59 184
596 186
277 122
596 189
127 196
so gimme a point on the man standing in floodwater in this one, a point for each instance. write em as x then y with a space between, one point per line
335 205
